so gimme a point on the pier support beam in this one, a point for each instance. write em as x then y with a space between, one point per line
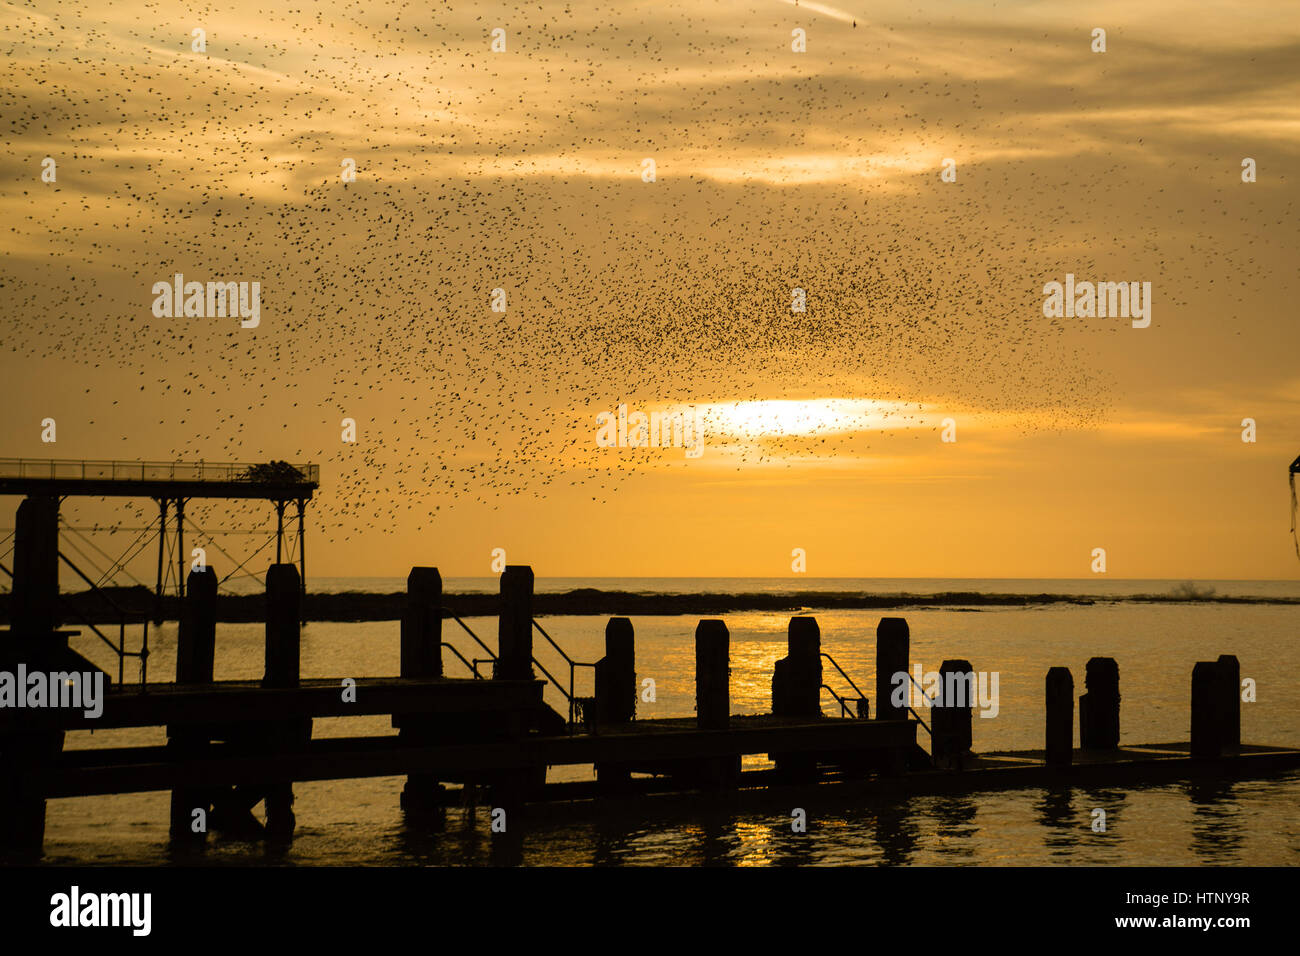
1059 742
1099 707
162 556
421 657
421 627
616 674
893 656
1212 715
32 640
182 559
797 677
950 718
283 644
713 701
515 625
1230 675
712 674
195 664
616 694
796 691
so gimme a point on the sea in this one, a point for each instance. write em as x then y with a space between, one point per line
1156 644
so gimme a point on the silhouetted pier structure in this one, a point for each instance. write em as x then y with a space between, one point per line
233 744
171 485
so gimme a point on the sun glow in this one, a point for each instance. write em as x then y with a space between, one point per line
797 417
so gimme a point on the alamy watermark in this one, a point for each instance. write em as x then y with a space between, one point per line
1087 300
950 689
65 689
180 299
676 429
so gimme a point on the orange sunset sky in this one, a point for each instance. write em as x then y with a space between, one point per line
775 170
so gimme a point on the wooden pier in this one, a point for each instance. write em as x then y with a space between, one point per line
234 744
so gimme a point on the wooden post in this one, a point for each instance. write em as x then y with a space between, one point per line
421 628
421 658
283 600
797 677
24 754
616 674
1230 674
796 692
35 594
616 694
195 662
32 640
893 656
712 674
283 636
1060 717
196 640
1208 718
1099 707
951 715
515 625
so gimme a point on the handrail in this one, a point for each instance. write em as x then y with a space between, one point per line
473 669
116 470
573 666
120 649
845 711
447 612
844 708
836 665
913 712
569 695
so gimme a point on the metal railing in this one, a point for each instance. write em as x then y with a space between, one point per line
845 709
472 664
573 666
914 713
105 470
120 647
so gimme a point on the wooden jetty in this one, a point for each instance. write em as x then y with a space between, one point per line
233 744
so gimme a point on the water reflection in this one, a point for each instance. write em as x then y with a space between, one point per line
1057 815
896 833
955 826
1217 832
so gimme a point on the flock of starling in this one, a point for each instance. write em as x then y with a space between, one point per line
523 171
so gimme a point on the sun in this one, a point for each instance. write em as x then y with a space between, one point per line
799 417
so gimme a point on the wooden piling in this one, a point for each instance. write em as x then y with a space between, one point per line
35 594
893 656
796 691
1230 676
515 625
1059 731
616 695
950 719
283 644
712 674
1099 706
283 601
797 677
421 626
616 690
421 657
196 639
195 663
1208 709
31 640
